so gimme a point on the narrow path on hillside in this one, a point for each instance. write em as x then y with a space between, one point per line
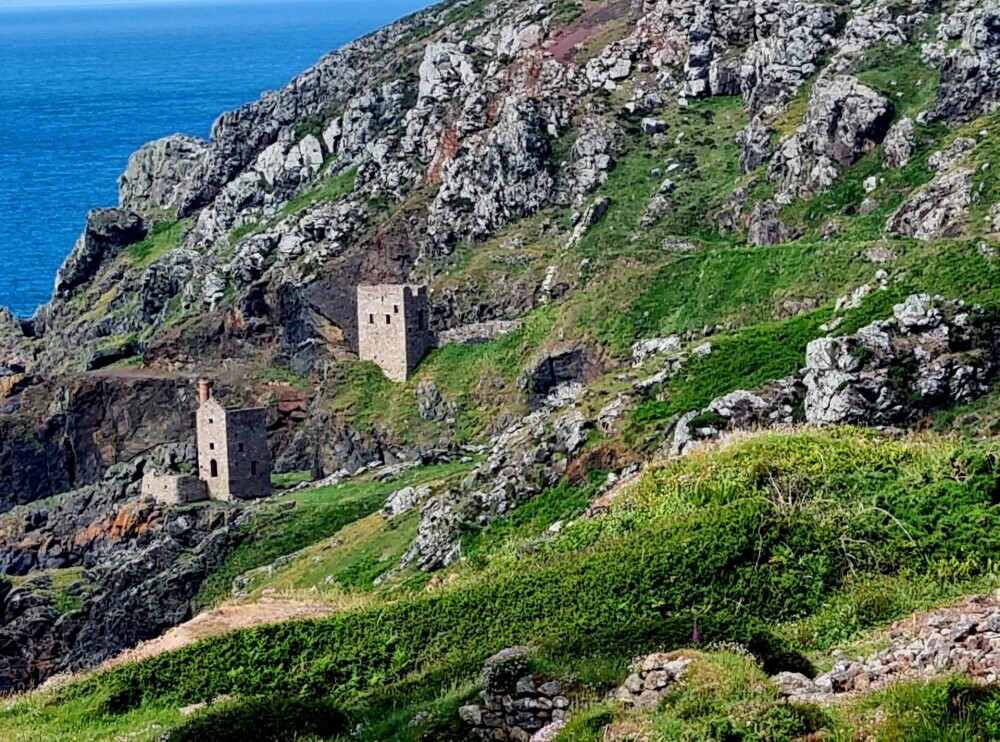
221 620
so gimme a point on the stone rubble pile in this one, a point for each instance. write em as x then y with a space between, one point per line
650 678
963 640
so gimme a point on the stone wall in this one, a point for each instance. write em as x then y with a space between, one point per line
477 333
248 454
393 327
172 489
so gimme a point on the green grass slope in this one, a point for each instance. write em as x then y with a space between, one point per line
783 543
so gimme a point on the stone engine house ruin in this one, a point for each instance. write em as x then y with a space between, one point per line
234 460
393 327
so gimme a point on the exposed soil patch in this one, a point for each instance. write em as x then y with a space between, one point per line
563 45
219 621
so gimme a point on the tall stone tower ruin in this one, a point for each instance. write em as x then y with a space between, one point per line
234 460
393 327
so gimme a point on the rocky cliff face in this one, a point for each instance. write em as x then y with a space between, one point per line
128 568
67 434
455 122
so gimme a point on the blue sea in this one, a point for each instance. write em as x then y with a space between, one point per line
81 88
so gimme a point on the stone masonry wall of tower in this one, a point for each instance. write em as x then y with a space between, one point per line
234 459
393 327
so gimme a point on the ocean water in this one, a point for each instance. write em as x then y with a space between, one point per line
81 88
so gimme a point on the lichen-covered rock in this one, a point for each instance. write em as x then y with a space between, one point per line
430 403
970 72
899 143
527 457
591 158
590 217
755 139
954 153
844 120
403 501
764 225
166 177
790 39
939 209
445 68
495 179
931 354
643 350
778 403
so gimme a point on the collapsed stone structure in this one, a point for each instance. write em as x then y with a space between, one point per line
960 639
174 489
652 677
393 327
516 703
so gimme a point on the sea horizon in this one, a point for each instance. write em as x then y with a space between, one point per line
88 84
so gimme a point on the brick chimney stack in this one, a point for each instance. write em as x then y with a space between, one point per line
204 391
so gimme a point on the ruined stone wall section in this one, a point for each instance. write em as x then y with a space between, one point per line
174 490
393 327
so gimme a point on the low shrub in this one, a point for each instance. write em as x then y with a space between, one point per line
262 719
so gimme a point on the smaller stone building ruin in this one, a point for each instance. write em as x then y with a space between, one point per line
234 460
393 327
174 489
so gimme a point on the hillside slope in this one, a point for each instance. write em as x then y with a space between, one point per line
715 287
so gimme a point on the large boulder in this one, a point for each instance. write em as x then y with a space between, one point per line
166 177
939 209
778 403
845 119
108 231
764 225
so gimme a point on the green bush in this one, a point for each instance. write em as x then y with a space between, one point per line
261 719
